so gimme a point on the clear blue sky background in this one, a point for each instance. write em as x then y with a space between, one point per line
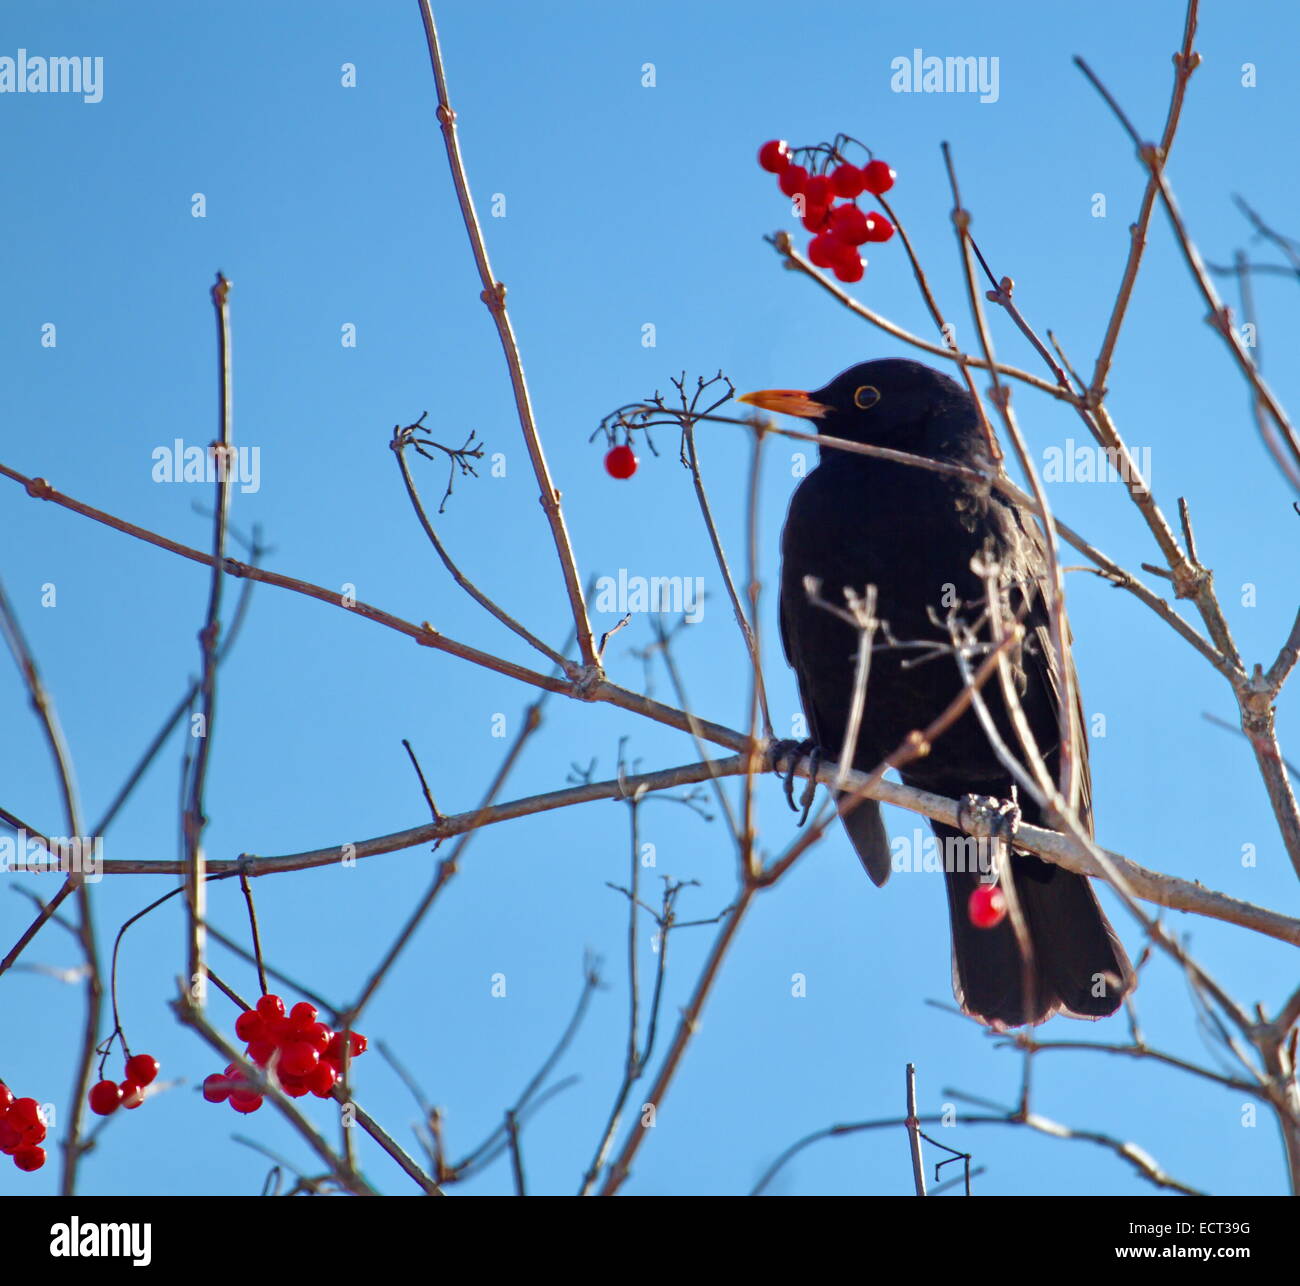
625 205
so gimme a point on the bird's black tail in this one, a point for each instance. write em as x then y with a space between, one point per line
1078 965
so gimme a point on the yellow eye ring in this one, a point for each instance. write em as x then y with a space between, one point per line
866 397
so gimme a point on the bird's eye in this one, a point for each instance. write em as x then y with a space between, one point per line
866 397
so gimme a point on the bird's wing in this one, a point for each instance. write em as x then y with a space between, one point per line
1031 589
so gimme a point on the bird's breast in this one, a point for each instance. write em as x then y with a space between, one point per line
909 532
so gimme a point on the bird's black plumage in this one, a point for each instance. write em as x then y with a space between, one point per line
857 520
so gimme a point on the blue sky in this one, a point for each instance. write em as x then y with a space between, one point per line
624 205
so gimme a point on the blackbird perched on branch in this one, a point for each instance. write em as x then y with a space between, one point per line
926 540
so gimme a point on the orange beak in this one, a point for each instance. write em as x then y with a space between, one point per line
786 401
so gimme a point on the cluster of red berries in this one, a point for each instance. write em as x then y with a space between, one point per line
304 1054
22 1130
987 907
621 461
107 1096
838 229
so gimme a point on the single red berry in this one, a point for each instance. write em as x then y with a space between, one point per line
302 1014
322 1080
142 1069
848 180
245 1101
987 906
34 1134
132 1095
822 250
621 462
877 177
216 1088
249 1026
774 156
819 190
298 1059
260 1052
25 1112
6 1097
318 1036
816 217
271 1006
335 1051
29 1158
104 1098
850 270
792 180
849 224
295 1086
878 227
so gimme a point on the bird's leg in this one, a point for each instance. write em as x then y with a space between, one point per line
987 817
810 788
794 751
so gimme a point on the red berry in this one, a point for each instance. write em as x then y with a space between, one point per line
132 1095
11 1137
850 268
245 1101
335 1051
848 180
298 1059
318 1036
877 177
850 225
104 1098
823 249
249 1025
878 227
6 1097
25 1112
792 180
295 1086
987 906
260 1052
142 1069
621 462
29 1158
34 1134
774 156
302 1014
271 1006
216 1088
819 190
322 1080
815 218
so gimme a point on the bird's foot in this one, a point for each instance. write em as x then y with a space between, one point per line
791 752
988 817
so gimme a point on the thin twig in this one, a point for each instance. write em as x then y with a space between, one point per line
494 296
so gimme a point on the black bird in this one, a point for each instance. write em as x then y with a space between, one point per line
859 520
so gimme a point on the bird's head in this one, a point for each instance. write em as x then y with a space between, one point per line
889 403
